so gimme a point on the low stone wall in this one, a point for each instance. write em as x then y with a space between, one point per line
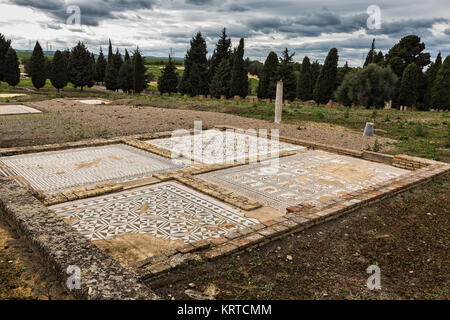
411 163
378 157
61 246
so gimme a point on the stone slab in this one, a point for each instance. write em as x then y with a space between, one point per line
93 101
9 109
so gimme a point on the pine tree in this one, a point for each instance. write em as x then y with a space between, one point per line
440 94
4 47
58 71
304 84
139 82
37 65
408 94
100 67
239 77
222 51
81 67
430 76
126 74
195 78
408 50
220 84
168 82
268 81
326 81
286 74
11 70
111 74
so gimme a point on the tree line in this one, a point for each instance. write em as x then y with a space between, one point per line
397 76
77 66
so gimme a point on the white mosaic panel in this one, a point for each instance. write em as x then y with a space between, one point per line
167 210
315 177
60 170
7 109
217 147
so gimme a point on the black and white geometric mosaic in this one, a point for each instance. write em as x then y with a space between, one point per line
57 171
167 210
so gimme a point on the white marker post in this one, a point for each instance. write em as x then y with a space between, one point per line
279 102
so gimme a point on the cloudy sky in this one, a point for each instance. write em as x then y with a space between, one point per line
157 26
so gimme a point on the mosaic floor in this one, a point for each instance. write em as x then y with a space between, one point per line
11 95
8 109
57 171
315 177
215 147
167 210
93 101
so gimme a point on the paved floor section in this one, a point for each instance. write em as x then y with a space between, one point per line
216 147
11 95
93 101
57 171
313 177
167 210
8 109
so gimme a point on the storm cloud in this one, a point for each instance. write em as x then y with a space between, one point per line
157 26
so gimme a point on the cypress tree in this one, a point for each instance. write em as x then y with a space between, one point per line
37 65
440 93
220 84
222 51
4 47
268 81
139 82
286 74
111 74
304 84
58 71
326 81
168 82
341 74
81 67
371 56
239 77
195 78
91 66
315 70
126 74
430 76
11 70
408 94
100 67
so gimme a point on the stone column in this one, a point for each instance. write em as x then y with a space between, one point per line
279 102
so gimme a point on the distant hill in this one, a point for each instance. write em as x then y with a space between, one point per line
150 59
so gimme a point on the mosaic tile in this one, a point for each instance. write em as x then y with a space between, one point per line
57 171
167 210
8 109
315 177
217 147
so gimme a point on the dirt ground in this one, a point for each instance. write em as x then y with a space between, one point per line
68 120
406 236
22 272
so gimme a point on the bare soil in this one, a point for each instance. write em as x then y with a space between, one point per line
68 120
23 274
406 236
